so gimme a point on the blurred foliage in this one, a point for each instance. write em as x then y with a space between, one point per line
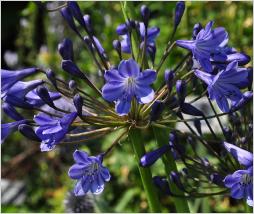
33 34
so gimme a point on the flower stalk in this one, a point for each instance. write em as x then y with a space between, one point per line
181 204
145 173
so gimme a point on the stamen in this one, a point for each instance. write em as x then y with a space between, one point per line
246 179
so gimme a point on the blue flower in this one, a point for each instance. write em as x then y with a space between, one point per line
226 84
208 44
16 95
241 181
247 97
127 82
152 33
8 128
9 78
52 130
89 172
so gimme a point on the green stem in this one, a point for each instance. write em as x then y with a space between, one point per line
146 175
248 209
161 136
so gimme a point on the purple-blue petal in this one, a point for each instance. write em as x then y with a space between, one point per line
76 171
128 68
123 107
147 77
244 157
112 91
80 157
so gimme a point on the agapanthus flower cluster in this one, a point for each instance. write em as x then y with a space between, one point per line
129 101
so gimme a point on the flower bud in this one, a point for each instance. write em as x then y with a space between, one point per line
175 145
145 13
28 132
217 179
76 12
187 108
78 103
51 77
157 109
181 90
151 157
131 24
197 27
169 78
162 184
197 125
67 15
173 102
98 45
151 49
88 24
72 85
70 67
175 178
122 29
179 10
65 49
11 112
43 93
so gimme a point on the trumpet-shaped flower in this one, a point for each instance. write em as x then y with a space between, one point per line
89 172
209 43
8 128
52 130
16 95
127 82
241 181
9 78
226 84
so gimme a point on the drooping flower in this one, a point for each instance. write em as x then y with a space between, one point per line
8 128
225 85
16 95
128 82
9 78
247 97
241 181
11 112
89 172
208 44
152 33
52 131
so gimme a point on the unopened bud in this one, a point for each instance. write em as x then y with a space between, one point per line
43 93
28 132
145 12
78 103
179 10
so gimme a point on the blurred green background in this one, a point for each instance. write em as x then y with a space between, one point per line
30 36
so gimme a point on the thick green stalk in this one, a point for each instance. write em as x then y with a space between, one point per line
161 136
146 175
